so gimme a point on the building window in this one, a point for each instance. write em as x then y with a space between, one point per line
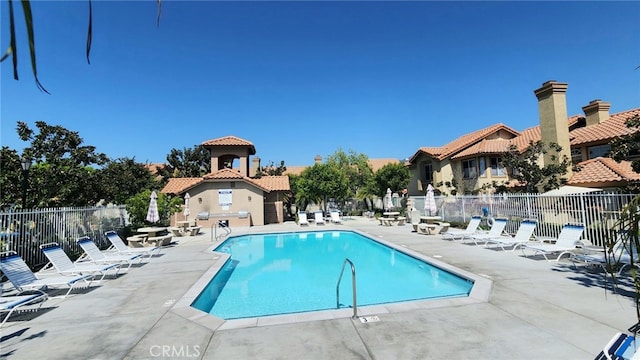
483 166
428 173
469 170
496 167
600 150
576 155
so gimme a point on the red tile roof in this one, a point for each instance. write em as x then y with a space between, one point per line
462 142
274 183
266 183
375 164
491 146
613 127
179 185
603 170
230 141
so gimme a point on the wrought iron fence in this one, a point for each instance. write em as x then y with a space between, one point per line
23 231
598 212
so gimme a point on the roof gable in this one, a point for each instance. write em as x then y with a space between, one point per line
462 142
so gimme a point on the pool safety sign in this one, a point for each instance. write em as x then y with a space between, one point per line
224 198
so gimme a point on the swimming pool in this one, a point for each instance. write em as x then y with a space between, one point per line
283 273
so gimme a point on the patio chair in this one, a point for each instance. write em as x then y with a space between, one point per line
457 234
621 346
496 231
94 254
566 242
619 254
335 217
302 218
522 236
64 266
23 279
12 303
119 246
318 217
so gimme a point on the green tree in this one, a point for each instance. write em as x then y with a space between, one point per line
10 177
320 183
194 162
627 228
64 171
394 176
526 167
355 166
123 178
271 170
625 146
138 206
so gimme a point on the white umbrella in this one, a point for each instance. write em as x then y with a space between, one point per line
388 200
152 213
430 201
186 211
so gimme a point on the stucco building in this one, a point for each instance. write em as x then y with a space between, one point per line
471 163
231 193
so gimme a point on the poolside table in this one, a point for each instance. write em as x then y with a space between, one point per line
152 231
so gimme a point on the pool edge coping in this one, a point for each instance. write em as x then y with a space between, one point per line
480 292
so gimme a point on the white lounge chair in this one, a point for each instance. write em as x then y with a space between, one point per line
23 279
523 236
12 303
457 234
119 246
566 242
318 217
302 218
335 217
496 231
100 257
619 254
64 266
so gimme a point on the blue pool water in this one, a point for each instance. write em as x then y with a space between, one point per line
270 274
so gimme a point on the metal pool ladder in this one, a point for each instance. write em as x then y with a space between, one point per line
353 285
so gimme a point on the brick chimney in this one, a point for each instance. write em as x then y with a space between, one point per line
554 124
596 112
318 159
255 165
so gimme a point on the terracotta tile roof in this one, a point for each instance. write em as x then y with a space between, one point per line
153 167
615 126
274 183
294 170
179 185
375 164
462 142
523 140
603 170
230 141
491 146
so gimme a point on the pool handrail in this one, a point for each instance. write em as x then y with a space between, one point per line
353 285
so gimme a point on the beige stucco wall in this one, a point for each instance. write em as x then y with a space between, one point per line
245 197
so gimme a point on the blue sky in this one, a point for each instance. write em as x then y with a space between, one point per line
300 78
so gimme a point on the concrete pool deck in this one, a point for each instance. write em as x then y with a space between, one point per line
535 310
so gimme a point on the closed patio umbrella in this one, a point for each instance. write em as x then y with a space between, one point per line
152 213
430 201
388 200
186 211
